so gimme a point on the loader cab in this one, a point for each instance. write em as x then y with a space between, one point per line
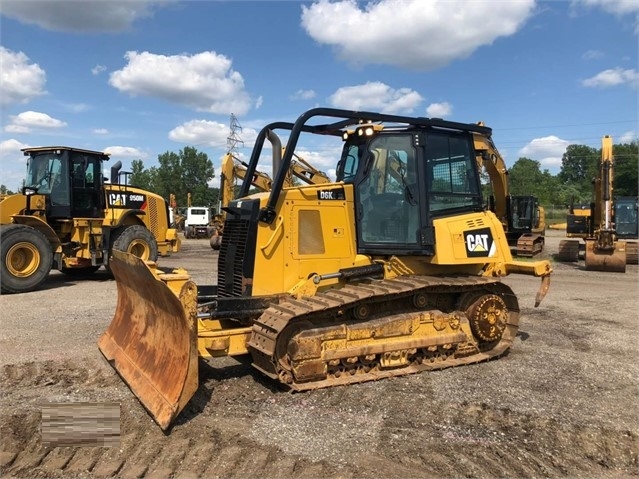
70 179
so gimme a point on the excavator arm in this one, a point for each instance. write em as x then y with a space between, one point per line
302 169
604 252
233 169
489 159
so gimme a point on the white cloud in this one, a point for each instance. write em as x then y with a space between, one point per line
100 131
80 16
258 102
12 161
376 96
619 7
28 121
592 55
96 70
21 80
412 34
126 152
209 133
77 107
203 81
616 7
10 149
201 132
613 77
628 137
439 110
547 150
303 95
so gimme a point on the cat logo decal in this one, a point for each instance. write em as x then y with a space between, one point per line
479 243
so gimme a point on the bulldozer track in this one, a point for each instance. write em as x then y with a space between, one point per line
206 446
280 322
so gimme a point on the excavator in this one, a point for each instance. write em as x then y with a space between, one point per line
603 251
526 231
234 169
522 217
394 268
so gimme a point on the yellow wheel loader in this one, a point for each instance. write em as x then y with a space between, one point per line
69 219
394 268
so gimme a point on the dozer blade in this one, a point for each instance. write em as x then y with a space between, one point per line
152 339
613 260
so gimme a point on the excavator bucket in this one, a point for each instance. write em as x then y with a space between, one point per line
152 339
613 260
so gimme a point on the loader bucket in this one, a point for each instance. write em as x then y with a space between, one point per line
613 260
152 339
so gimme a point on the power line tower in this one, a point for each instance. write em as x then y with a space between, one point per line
234 140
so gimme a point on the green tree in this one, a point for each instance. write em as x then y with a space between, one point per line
188 171
578 168
525 177
5 191
143 178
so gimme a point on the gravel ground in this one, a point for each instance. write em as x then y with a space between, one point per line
562 403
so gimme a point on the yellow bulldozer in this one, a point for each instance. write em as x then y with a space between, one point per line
394 268
68 218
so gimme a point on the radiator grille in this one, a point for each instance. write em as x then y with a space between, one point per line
152 212
232 251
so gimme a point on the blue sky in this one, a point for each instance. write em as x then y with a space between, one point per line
137 78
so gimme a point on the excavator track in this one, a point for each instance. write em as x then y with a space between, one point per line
384 328
530 244
632 252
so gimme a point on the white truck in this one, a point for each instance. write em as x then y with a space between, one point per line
197 223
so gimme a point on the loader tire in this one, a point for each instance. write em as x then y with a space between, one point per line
26 258
138 241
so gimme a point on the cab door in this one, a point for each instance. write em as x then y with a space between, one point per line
87 190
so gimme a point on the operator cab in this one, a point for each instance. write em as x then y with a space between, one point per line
70 179
405 172
403 181
523 214
625 218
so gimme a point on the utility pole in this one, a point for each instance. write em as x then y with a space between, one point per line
233 140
